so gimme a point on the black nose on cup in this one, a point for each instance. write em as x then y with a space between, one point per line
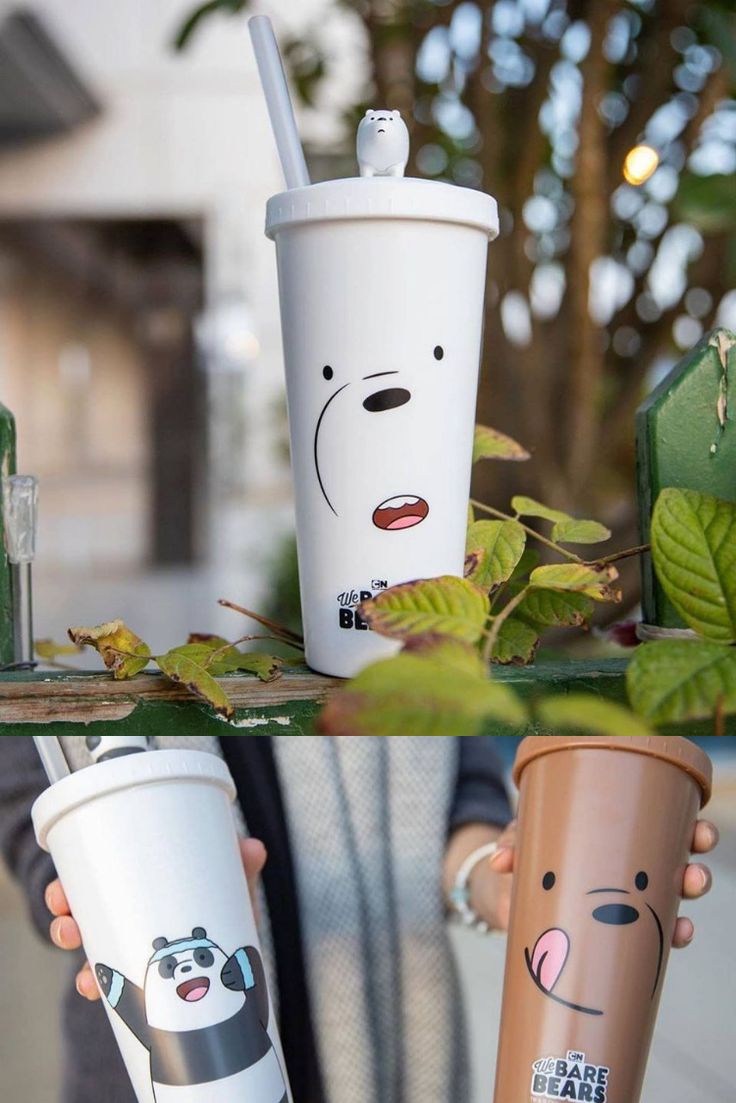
388 399
186 968
618 914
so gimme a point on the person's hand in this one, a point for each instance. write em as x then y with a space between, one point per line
64 931
490 890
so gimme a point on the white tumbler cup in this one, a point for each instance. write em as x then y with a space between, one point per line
381 283
146 849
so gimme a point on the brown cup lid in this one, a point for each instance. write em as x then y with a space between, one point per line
675 749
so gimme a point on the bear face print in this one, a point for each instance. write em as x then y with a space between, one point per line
203 1017
184 986
620 911
382 143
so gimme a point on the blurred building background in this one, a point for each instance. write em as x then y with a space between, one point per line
691 1056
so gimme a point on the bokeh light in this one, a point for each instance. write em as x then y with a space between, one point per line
639 164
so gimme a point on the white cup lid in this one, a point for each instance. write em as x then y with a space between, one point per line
382 197
129 772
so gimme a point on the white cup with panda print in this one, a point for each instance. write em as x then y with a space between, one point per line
146 849
381 285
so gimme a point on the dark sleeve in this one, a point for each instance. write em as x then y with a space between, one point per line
126 999
480 793
21 780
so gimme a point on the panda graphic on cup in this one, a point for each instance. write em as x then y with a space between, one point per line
384 395
604 907
203 1017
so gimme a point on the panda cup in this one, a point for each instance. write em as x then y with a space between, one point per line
146 849
381 284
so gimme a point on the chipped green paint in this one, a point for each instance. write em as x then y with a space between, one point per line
604 677
7 467
686 437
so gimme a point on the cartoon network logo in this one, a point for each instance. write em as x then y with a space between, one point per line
570 1077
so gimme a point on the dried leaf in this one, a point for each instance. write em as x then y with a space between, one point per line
122 652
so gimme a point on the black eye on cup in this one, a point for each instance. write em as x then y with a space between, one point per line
548 881
327 372
204 957
167 967
439 352
641 880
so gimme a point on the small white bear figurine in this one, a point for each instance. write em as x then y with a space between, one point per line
383 144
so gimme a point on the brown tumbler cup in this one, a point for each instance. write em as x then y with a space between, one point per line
605 828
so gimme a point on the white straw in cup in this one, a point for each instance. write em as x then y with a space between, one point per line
278 102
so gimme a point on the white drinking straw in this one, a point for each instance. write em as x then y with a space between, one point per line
278 101
51 755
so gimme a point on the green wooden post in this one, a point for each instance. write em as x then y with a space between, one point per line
686 437
7 467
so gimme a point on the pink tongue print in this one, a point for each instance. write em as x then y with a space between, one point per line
549 957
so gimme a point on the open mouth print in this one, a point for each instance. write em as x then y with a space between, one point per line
402 512
194 989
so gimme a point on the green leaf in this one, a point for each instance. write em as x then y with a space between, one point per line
449 652
193 21
580 532
446 606
219 657
587 713
529 507
414 695
184 670
526 564
500 544
516 642
49 649
580 578
490 444
552 608
471 515
122 652
673 680
694 553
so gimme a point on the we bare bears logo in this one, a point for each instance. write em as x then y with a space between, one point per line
570 1077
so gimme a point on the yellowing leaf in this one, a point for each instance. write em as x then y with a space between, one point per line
490 444
122 652
414 695
49 649
184 670
552 608
588 713
529 507
219 657
445 606
673 680
498 547
580 532
595 582
694 554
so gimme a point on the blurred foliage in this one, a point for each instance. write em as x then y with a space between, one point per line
594 285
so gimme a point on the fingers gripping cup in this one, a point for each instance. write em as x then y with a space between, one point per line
381 283
605 827
146 849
